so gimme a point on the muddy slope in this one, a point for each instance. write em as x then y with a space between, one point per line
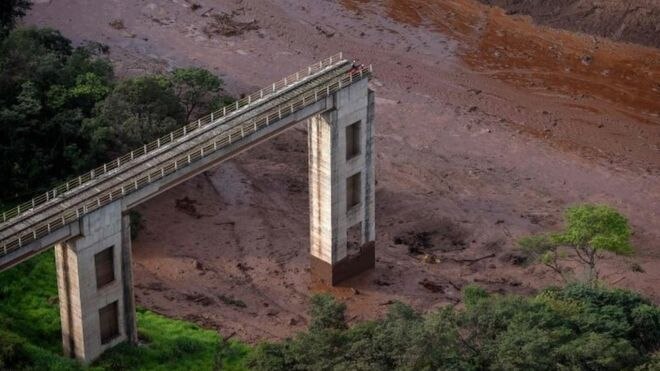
636 21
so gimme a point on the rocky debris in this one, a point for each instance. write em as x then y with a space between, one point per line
187 206
243 267
225 24
230 300
430 259
632 20
199 298
637 268
381 282
153 286
117 24
416 241
323 31
432 286
445 236
515 258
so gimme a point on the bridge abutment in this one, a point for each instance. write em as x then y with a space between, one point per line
341 181
95 285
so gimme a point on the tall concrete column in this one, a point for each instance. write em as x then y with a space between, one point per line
97 308
341 178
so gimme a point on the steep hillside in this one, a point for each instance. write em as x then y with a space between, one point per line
636 21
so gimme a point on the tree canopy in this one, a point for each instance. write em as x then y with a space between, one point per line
574 328
63 112
590 231
10 12
47 89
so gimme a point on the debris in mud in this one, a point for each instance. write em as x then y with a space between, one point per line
199 299
225 25
416 242
430 259
194 6
187 206
636 267
117 24
230 300
154 286
380 282
243 267
445 236
470 261
515 258
432 286
325 32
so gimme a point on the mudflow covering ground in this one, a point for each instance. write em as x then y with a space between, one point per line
488 126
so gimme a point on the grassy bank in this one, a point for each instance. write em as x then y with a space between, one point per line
30 335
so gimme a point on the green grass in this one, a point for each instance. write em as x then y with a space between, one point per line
30 335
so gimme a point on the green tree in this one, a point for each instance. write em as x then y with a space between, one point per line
198 90
47 89
136 112
10 12
590 231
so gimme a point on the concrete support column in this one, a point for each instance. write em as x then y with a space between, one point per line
341 181
94 279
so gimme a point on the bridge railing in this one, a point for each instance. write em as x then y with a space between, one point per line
84 179
222 140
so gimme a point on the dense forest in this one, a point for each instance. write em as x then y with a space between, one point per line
63 111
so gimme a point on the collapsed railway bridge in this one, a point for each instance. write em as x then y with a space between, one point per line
86 219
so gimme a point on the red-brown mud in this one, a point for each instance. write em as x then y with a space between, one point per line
488 127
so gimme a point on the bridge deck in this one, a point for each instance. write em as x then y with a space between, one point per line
184 147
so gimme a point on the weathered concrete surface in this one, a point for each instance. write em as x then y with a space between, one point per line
39 246
329 169
80 299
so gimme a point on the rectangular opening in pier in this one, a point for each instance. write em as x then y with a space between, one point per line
352 140
108 318
353 191
105 267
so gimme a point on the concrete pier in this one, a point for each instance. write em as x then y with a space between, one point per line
341 186
95 286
